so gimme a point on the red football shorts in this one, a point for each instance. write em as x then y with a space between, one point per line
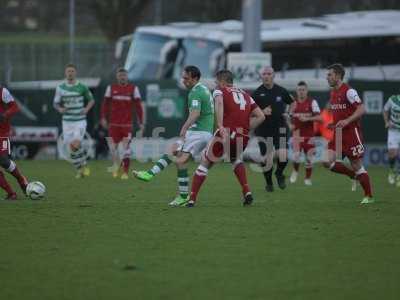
118 133
351 142
304 144
233 147
5 147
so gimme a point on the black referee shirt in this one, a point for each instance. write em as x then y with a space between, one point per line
278 98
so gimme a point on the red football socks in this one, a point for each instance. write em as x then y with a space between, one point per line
198 179
240 172
125 164
340 168
365 183
308 172
22 181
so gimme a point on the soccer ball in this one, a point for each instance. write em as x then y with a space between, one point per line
35 190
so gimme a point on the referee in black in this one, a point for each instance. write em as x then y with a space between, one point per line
272 134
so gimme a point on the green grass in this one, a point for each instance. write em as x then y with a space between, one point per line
101 238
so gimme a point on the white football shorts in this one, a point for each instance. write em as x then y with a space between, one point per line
74 130
393 141
195 142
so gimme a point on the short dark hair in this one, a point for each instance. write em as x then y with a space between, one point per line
70 65
225 75
338 69
193 71
121 70
302 83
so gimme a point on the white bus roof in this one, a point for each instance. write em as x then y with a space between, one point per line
332 26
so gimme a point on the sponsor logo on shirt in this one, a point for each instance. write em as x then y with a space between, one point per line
278 99
339 106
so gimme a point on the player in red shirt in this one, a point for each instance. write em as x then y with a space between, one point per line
304 112
116 112
236 114
8 108
347 110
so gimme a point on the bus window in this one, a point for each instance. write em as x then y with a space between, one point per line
309 54
205 54
144 59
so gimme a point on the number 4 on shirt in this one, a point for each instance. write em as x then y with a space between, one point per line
239 99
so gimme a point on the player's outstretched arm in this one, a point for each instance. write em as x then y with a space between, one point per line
11 109
89 97
355 116
88 106
256 118
57 102
386 119
193 116
316 113
219 110
314 118
386 109
9 104
105 109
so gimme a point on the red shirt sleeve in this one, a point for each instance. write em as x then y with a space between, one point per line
12 109
253 104
353 98
105 108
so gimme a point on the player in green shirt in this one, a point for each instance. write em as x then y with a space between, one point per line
194 135
391 116
73 100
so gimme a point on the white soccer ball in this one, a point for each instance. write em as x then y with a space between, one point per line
35 190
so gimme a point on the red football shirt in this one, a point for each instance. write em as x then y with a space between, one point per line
117 104
307 108
238 106
343 103
8 107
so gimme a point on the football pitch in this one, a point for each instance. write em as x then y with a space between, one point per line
104 238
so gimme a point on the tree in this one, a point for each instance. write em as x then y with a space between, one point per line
119 17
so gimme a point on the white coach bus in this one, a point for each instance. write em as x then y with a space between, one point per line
366 42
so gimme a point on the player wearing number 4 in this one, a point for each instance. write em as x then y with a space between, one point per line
347 110
236 114
195 134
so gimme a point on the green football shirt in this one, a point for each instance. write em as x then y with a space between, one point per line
200 99
393 106
73 98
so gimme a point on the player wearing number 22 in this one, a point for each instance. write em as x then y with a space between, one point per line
236 114
8 107
347 109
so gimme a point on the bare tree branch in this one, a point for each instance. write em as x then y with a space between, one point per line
119 17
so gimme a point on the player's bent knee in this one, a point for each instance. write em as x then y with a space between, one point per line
357 164
75 145
182 158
